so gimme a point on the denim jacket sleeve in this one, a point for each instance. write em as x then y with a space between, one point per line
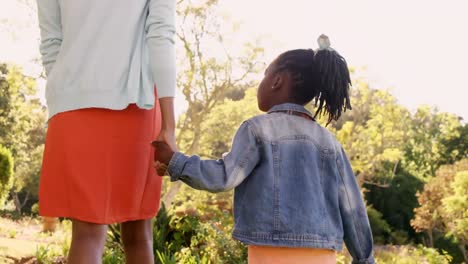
357 231
223 174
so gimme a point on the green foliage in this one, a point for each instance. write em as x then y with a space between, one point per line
185 237
6 173
393 152
165 258
429 215
411 255
441 210
456 148
35 209
427 147
17 106
373 133
113 255
219 128
396 202
455 207
208 72
46 254
448 245
12 233
22 119
382 232
380 228
403 255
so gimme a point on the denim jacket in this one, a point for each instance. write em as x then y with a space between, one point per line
294 186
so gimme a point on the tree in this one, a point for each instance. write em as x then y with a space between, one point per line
22 119
219 127
455 207
6 173
456 147
397 201
373 133
432 216
433 141
208 72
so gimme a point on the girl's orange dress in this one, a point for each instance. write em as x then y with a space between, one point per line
281 255
98 165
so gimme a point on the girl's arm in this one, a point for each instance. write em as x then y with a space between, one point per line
217 175
50 25
357 231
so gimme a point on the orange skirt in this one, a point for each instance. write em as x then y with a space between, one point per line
97 165
282 255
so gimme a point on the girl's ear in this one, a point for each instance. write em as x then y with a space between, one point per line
277 81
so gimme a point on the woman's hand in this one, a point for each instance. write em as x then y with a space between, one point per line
168 136
162 156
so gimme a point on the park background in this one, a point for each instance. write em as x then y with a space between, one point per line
406 137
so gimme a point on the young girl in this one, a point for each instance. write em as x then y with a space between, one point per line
296 198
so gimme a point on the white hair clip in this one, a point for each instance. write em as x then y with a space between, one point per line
324 43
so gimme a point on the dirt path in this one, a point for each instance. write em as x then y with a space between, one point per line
24 238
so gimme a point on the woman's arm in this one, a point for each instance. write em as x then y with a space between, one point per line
160 31
50 25
168 122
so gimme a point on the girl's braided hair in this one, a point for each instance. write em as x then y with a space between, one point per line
320 75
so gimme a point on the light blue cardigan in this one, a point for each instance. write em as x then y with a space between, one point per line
107 53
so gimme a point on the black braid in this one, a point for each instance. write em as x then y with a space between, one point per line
322 76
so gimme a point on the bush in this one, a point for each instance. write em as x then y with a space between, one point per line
35 209
6 174
49 255
380 228
185 238
411 255
396 203
113 255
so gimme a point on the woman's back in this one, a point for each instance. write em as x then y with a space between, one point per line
96 52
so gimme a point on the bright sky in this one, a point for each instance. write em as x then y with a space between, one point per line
416 48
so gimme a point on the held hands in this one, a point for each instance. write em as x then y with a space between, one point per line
162 156
168 136
165 143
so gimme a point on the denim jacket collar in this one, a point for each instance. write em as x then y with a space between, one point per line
290 107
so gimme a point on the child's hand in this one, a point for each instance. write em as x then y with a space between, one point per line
162 156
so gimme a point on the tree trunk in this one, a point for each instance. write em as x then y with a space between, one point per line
17 203
169 197
462 247
431 238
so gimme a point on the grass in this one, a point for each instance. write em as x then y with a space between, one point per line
23 238
27 241
15 249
